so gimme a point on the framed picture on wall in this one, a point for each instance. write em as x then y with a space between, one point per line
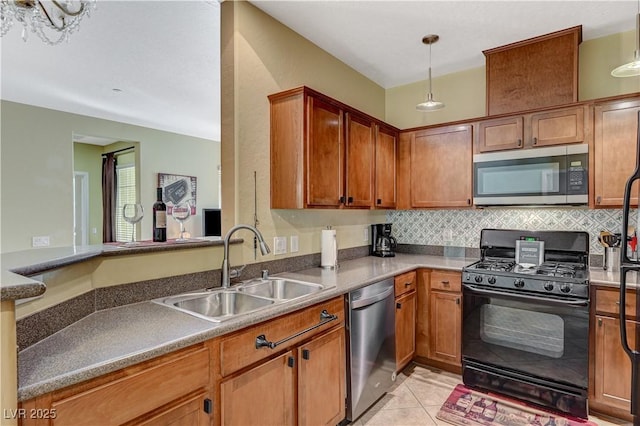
177 189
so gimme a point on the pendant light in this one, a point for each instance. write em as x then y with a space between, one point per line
631 69
430 104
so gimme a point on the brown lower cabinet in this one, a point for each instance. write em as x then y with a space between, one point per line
282 386
610 385
266 394
439 319
169 390
405 292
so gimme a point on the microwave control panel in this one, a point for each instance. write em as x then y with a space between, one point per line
577 180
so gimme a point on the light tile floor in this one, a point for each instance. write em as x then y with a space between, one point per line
418 394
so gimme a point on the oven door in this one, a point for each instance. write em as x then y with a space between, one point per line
530 347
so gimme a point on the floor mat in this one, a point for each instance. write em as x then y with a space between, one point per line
470 408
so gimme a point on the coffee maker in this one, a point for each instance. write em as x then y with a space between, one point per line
382 243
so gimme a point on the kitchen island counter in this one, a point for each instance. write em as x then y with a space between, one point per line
115 338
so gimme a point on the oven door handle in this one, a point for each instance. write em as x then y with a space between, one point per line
571 302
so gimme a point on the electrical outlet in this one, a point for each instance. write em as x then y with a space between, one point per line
41 241
279 245
365 234
447 235
293 243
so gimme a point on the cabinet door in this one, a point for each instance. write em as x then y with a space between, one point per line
360 161
322 380
441 167
612 382
386 160
263 395
405 329
500 134
324 160
615 136
445 327
557 127
188 413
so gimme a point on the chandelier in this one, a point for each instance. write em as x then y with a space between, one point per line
51 20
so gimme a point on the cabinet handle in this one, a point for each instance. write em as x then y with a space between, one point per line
535 141
519 142
599 322
305 354
291 361
468 201
398 305
445 283
379 201
325 317
407 284
598 199
208 406
342 200
457 300
350 200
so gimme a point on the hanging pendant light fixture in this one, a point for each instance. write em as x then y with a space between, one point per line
430 104
631 69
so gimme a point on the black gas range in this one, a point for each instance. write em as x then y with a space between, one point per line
526 325
563 274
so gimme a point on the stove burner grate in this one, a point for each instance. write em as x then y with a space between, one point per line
504 265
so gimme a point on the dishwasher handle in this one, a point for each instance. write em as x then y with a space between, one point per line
361 303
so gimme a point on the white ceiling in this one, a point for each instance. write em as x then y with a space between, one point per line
164 55
383 39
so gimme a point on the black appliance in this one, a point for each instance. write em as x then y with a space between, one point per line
526 328
212 222
382 243
628 265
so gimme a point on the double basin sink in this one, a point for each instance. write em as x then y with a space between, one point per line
222 304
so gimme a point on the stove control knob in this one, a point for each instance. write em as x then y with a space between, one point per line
548 286
565 288
519 283
492 280
478 278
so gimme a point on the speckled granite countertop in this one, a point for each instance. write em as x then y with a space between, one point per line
15 267
115 338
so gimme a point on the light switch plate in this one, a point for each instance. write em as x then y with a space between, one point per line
365 234
279 245
293 243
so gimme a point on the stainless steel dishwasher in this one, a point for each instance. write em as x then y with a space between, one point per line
371 345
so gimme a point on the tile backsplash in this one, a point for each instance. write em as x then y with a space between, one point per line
462 227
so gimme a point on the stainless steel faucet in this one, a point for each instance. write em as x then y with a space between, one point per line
227 273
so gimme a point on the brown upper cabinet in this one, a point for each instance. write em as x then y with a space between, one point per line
615 136
436 167
535 73
386 167
325 154
552 127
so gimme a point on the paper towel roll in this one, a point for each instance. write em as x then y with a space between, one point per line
329 254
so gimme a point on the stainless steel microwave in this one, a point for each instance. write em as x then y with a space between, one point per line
552 175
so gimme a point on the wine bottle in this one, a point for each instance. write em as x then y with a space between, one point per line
159 218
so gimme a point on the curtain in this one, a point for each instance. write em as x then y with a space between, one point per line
109 187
